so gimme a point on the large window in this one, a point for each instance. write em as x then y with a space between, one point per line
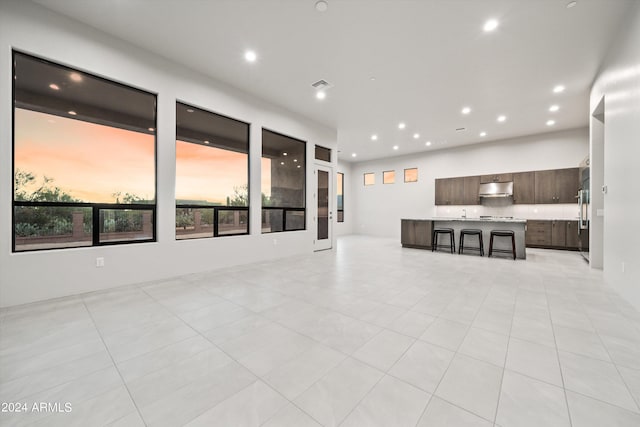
212 174
84 164
283 183
340 192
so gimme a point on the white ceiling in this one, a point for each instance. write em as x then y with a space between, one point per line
429 59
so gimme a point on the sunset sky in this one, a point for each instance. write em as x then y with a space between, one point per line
208 173
91 162
86 160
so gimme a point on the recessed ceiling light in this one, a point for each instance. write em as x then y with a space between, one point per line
321 94
428 143
502 118
72 113
353 154
374 137
466 110
401 125
322 6
250 56
151 129
483 134
189 110
54 86
395 147
295 160
298 166
551 122
206 142
373 79
554 108
76 77
558 89
490 25
571 4
416 135
282 163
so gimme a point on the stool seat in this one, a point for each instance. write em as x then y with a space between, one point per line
471 232
503 233
434 239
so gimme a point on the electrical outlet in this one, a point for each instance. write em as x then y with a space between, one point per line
100 262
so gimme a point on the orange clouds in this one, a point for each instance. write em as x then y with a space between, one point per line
208 173
89 161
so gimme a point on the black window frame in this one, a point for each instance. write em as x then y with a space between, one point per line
286 210
219 208
320 149
96 208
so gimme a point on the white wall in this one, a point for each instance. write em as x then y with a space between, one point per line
26 277
346 227
619 82
380 207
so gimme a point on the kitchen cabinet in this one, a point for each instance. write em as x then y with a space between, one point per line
567 185
538 233
559 234
416 233
499 177
450 191
443 191
552 234
524 188
573 239
471 190
556 186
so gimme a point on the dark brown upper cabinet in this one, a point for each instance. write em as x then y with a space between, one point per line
498 177
556 186
471 190
524 188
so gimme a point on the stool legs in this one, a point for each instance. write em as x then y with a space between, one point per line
453 244
490 246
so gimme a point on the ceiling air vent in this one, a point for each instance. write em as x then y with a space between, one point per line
321 85
460 129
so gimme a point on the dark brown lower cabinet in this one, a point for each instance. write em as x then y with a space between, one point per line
538 233
416 233
552 234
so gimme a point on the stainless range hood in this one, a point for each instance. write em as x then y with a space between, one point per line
496 189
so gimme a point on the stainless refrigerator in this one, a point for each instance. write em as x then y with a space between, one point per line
583 207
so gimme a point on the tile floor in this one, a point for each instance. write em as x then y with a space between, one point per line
368 335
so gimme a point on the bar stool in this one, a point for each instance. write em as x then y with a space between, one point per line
434 239
471 232
503 233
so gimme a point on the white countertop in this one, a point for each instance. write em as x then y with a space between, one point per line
510 220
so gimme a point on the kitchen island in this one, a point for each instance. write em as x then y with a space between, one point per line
416 233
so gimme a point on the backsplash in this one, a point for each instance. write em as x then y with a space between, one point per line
556 211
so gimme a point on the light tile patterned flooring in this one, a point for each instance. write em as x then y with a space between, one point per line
368 335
